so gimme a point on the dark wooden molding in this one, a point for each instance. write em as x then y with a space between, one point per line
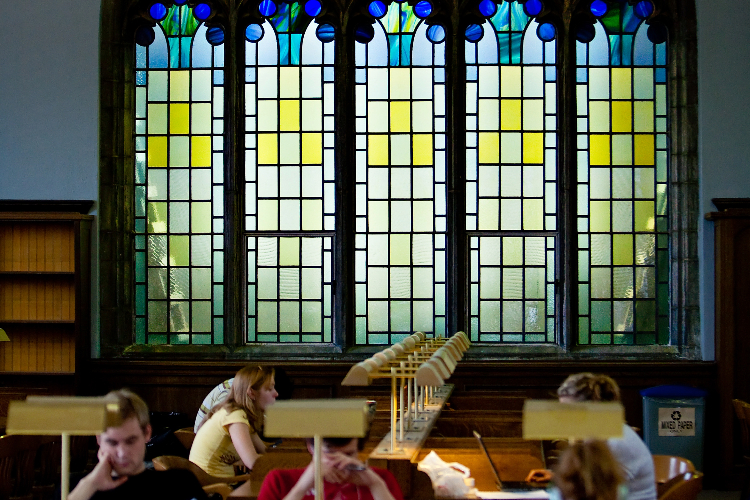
723 204
79 206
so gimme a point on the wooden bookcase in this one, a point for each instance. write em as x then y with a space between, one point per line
45 286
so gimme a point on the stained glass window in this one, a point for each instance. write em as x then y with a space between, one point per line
511 178
289 178
400 256
179 162
623 240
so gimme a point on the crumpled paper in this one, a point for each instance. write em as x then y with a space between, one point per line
448 479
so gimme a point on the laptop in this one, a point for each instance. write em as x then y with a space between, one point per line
507 485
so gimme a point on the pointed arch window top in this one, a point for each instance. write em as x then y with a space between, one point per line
180 21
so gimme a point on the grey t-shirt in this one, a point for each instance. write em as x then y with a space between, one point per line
637 464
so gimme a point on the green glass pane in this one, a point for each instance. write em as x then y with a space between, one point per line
489 316
200 184
645 315
140 330
201 316
267 285
157 316
289 283
157 339
601 283
377 316
583 331
622 216
200 286
140 267
600 339
311 317
534 284
158 284
179 217
401 315
267 315
200 251
179 283
601 316
289 316
645 281
512 283
623 282
179 154
490 283
218 300
623 339
535 317
513 251
179 250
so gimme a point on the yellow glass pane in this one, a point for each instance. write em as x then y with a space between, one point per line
622 116
268 153
157 151
179 250
289 82
621 83
312 149
644 149
622 249
489 147
400 116
533 214
622 149
513 251
489 114
599 219
179 118
157 118
510 81
424 217
267 115
289 113
533 147
599 150
400 249
510 147
599 116
157 217
488 214
643 119
312 215
377 149
289 251
422 147
510 114
533 114
201 151
200 118
400 83
268 215
200 217
179 85
644 216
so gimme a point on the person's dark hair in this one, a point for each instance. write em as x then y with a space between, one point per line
589 387
339 442
130 405
587 470
251 376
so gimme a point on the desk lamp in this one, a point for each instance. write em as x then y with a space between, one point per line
318 418
63 416
549 419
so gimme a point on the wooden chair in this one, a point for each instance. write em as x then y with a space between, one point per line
742 411
166 462
47 467
186 435
222 489
684 487
666 468
17 454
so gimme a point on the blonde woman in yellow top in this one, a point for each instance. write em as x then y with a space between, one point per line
228 435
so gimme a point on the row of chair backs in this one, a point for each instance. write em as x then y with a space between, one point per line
166 462
676 478
684 486
25 465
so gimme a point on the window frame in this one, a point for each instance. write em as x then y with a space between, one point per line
116 253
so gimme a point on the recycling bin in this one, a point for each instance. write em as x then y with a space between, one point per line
673 417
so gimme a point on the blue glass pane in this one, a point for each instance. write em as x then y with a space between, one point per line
546 32
180 2
313 8
585 33
474 32
377 9
215 36
202 11
267 8
436 33
643 9
657 33
325 33
158 11
487 8
145 36
423 9
598 8
364 33
254 32
533 7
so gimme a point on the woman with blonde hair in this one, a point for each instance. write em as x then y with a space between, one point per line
228 435
588 471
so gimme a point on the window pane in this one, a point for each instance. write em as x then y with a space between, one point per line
179 175
511 174
622 179
401 161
